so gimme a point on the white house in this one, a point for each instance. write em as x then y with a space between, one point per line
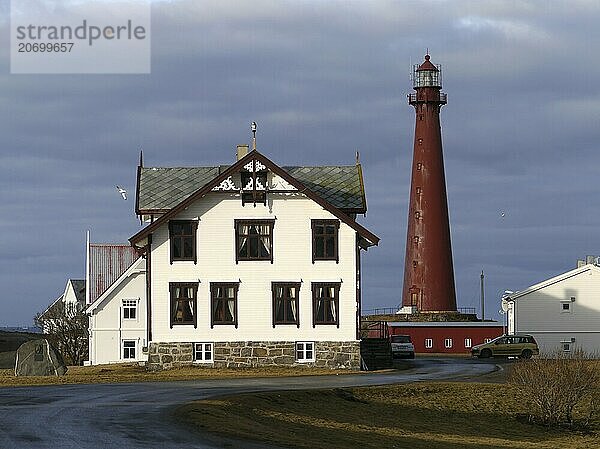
71 300
116 300
562 313
252 264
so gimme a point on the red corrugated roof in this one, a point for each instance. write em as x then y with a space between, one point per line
107 262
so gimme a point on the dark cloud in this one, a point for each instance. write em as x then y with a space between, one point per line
322 79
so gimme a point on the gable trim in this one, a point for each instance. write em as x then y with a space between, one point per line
114 285
255 155
554 280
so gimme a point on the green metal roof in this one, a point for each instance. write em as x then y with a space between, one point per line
161 189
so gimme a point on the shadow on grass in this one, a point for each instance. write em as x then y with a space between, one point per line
410 416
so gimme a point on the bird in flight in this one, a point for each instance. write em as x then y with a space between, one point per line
123 192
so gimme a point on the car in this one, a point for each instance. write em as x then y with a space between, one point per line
402 347
523 346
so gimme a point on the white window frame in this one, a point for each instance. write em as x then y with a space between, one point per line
130 304
204 352
448 343
468 343
428 343
305 351
487 340
565 343
126 352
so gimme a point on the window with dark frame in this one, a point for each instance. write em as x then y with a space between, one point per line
183 303
325 239
129 309
129 349
223 298
254 240
182 235
285 303
326 303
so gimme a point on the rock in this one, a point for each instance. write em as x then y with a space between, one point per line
38 358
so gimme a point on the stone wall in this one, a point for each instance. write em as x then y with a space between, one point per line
328 354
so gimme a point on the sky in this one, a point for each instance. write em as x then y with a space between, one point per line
322 80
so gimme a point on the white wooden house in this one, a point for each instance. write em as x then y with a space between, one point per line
562 313
116 298
70 301
252 264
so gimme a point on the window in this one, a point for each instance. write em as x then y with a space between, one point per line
565 305
203 352
183 303
428 343
487 340
182 235
468 343
566 346
448 343
254 184
129 309
129 349
224 303
326 303
325 240
285 303
254 240
305 351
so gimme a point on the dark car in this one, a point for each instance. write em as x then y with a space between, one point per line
523 346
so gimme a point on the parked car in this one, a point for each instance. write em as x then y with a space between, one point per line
402 346
523 346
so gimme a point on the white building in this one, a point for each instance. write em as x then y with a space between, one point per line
71 300
116 298
562 313
252 264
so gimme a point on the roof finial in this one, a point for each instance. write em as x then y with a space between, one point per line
253 128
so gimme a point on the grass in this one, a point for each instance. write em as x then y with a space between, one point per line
132 372
421 415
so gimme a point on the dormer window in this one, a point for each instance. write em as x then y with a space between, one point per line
182 237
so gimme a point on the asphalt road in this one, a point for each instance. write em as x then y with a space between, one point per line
125 416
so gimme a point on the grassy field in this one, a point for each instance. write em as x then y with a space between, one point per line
421 415
9 343
131 372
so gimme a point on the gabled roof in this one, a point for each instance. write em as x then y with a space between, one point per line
79 289
554 280
56 303
107 262
369 237
160 189
134 266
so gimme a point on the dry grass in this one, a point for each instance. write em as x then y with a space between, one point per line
424 415
130 372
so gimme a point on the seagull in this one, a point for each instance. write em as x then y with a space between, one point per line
123 192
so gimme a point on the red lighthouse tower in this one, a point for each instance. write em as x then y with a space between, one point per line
428 272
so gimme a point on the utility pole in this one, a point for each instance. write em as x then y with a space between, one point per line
482 299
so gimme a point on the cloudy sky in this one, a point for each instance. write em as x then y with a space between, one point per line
322 79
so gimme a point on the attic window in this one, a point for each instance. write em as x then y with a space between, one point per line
254 183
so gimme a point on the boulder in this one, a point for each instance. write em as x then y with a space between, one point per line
38 358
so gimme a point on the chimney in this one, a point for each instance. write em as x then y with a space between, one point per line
242 150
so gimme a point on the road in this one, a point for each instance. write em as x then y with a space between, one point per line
131 416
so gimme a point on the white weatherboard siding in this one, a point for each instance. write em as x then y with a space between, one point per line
108 328
292 262
538 310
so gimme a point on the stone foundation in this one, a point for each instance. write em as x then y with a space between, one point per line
328 354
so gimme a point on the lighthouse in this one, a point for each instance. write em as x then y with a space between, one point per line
428 271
